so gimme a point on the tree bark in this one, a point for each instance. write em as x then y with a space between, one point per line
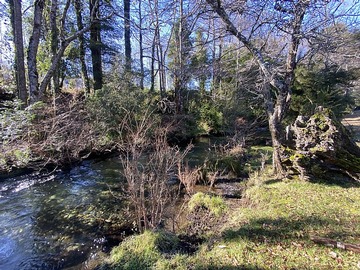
54 42
95 48
127 35
178 76
141 48
35 94
80 25
152 68
161 62
16 23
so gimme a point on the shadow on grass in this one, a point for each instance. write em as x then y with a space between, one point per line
273 181
282 229
338 180
228 267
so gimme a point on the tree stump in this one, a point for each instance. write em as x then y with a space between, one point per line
321 147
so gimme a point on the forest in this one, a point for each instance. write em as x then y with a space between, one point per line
178 134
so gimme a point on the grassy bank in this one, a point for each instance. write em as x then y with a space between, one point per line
270 228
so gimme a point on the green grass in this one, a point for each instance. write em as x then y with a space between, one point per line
271 228
272 231
143 251
213 204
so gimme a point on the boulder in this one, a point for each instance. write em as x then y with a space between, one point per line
321 147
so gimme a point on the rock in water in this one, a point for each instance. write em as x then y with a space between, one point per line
321 147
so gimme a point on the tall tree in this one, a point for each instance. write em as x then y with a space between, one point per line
277 82
35 94
16 23
180 49
157 52
54 41
82 52
127 35
95 46
199 62
65 41
141 46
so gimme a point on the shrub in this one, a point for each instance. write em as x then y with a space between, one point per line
210 119
149 163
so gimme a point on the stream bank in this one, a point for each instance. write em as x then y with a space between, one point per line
68 218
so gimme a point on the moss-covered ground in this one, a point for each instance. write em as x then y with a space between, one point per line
270 228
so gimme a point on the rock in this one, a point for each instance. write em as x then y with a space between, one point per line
321 147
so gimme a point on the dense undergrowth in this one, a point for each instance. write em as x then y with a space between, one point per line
270 228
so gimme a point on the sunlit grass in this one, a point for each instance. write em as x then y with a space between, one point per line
270 228
273 229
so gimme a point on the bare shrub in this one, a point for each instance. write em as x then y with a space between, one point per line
148 163
227 159
264 157
188 177
61 134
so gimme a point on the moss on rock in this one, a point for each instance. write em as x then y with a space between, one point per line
323 148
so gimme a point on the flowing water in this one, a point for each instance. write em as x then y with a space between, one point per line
60 220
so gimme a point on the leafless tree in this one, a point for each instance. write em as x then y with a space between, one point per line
262 27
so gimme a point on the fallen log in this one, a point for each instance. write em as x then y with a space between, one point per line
336 244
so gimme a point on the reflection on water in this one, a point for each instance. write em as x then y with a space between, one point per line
51 222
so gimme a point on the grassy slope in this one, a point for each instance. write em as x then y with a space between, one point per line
273 230
270 229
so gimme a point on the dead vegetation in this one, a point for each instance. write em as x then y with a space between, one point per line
149 164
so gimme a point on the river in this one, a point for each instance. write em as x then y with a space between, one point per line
59 220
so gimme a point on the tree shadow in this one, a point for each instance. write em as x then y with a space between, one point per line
228 267
273 181
283 229
337 180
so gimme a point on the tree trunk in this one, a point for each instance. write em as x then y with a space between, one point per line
95 48
161 61
127 36
54 42
142 73
16 23
80 26
152 69
178 84
275 131
57 58
35 94
275 109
